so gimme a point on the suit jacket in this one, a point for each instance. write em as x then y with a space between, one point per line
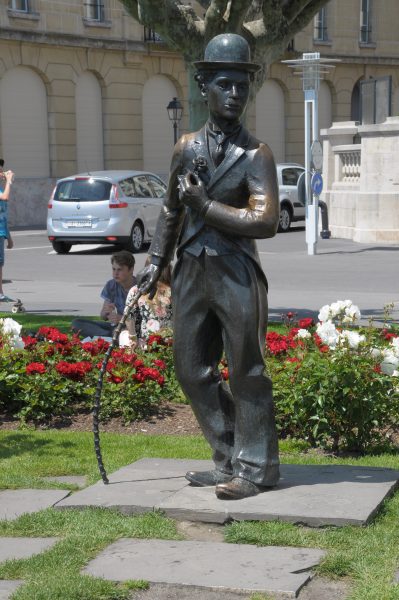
243 190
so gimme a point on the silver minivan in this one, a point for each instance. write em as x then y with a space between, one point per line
105 207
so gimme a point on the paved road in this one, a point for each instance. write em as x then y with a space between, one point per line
368 274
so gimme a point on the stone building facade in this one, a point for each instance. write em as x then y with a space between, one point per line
83 86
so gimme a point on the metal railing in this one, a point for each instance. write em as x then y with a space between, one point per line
150 35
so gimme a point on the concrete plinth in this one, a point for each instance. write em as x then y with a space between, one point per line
207 565
314 495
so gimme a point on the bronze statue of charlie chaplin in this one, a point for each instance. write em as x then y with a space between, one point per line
222 195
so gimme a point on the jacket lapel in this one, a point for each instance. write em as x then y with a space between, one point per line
235 151
200 149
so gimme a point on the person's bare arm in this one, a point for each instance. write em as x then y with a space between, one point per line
107 309
5 194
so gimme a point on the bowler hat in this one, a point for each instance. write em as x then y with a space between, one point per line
229 51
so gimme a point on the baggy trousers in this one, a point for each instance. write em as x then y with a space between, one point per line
220 303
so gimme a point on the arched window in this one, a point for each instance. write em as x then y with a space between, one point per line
270 118
24 125
157 129
355 102
89 125
325 106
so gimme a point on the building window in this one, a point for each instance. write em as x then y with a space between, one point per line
320 26
365 21
94 11
21 5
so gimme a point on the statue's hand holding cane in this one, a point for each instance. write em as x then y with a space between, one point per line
147 279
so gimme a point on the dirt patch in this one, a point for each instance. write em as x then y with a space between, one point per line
172 419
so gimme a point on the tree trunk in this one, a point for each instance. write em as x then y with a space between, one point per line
197 105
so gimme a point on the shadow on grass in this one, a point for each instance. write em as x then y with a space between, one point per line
17 444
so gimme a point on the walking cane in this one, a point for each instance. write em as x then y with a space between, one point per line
97 397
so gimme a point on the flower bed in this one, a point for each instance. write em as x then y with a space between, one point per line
55 374
334 384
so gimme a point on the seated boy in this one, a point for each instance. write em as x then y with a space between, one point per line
114 295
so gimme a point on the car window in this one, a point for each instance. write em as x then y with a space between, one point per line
84 190
128 188
143 189
158 187
290 176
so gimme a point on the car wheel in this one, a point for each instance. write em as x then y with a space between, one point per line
285 219
136 238
61 247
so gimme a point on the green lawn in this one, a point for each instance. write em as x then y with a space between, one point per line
367 556
31 322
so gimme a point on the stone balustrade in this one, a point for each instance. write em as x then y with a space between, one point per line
349 163
361 180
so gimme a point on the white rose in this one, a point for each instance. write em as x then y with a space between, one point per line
390 363
353 338
303 334
337 308
395 345
9 326
353 313
375 352
328 333
324 313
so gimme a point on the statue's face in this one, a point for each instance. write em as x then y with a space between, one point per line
227 94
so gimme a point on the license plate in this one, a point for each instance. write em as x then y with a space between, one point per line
78 224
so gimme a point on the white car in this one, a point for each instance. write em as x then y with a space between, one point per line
105 207
291 207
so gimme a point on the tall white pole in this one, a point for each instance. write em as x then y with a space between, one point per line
311 215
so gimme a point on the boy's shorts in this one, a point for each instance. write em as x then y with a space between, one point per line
2 240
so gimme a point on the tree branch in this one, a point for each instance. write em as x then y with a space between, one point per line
237 14
132 7
281 22
298 14
177 24
213 22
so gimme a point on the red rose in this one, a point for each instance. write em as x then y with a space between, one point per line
75 371
305 323
35 368
160 364
29 341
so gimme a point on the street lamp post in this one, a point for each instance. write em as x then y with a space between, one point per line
175 113
311 67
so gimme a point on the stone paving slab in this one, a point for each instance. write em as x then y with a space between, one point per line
314 495
207 565
24 547
14 503
8 587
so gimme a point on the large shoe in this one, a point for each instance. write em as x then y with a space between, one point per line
205 478
238 488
